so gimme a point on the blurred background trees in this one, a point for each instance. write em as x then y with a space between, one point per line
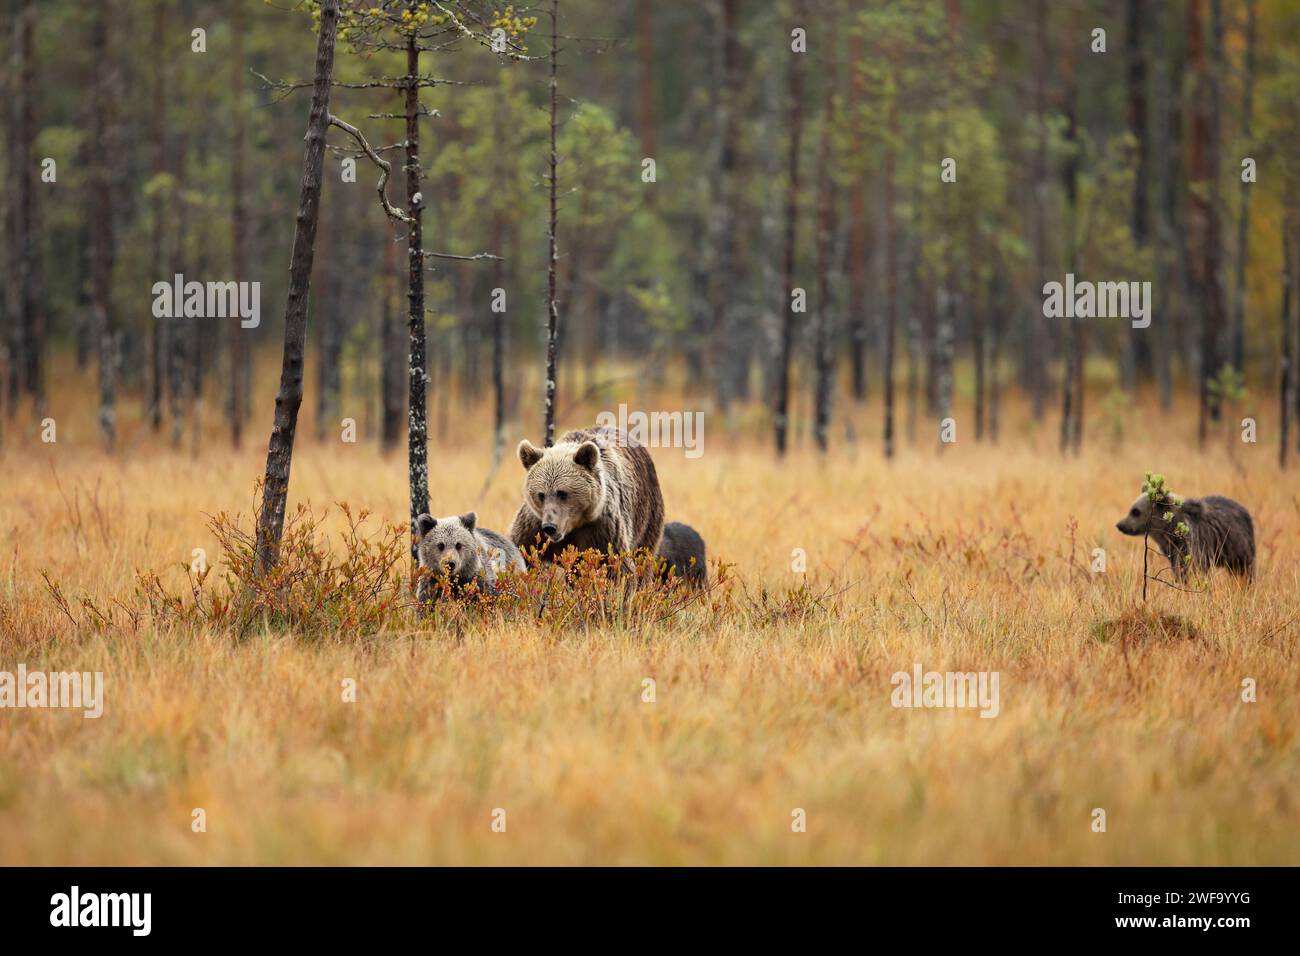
773 171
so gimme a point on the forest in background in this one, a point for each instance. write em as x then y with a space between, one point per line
774 171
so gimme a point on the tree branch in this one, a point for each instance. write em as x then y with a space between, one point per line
473 258
385 167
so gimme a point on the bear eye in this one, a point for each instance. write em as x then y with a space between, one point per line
1134 513
562 495
457 545
541 496
441 546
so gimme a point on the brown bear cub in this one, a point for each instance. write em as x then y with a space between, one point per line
1193 532
681 554
594 488
464 552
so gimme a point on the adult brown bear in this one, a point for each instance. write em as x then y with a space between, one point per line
594 488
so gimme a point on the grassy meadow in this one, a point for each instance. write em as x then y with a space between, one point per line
772 692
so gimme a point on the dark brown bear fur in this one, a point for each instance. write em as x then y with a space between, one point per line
594 488
1219 532
681 553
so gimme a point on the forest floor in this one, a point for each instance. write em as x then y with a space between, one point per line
772 694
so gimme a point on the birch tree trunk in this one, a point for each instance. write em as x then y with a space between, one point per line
417 423
552 307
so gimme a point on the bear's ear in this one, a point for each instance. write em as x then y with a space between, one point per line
469 519
529 454
1191 506
424 524
587 455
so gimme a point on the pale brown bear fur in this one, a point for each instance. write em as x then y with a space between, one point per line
594 488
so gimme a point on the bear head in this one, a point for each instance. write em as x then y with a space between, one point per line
1154 511
448 546
563 486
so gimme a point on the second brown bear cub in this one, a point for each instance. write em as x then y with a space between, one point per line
1194 532
594 488
682 556
464 552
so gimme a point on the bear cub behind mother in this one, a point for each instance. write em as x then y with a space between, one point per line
594 488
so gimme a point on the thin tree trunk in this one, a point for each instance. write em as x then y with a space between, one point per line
1286 386
997 297
84 324
102 203
1038 351
17 206
1243 223
552 307
238 370
722 281
857 251
176 364
891 278
950 295
390 345
417 436
1137 353
915 345
1204 194
977 313
198 347
12 302
328 320
823 367
1214 248
1072 377
498 346
918 298
157 126
795 115
279 453
1166 241
33 261
645 28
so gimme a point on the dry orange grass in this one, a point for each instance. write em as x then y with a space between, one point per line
964 561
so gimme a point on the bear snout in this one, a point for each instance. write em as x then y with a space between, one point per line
551 531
